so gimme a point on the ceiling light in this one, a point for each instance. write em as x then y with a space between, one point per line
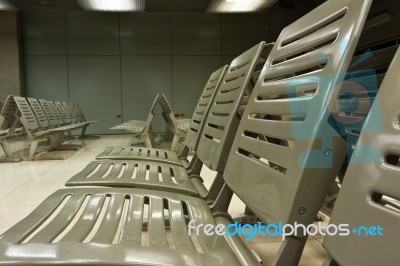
112 5
222 6
6 5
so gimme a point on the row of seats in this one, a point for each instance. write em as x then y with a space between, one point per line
37 120
178 127
278 144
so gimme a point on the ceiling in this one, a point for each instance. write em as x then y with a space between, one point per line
150 6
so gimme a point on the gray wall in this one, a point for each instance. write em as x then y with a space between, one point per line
10 65
113 64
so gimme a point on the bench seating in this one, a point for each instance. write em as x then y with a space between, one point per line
370 191
156 174
192 136
40 120
178 127
10 127
196 126
279 182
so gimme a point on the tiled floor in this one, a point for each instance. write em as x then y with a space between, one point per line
25 184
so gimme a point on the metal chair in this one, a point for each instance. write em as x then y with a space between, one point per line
105 225
369 195
173 177
192 137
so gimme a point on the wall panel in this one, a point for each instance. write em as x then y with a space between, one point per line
190 74
95 85
47 77
142 78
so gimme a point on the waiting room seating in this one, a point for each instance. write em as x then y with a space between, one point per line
283 160
40 120
370 185
10 126
178 127
192 138
221 123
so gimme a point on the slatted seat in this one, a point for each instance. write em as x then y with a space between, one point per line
139 174
109 244
36 124
54 117
195 126
238 77
143 128
178 128
370 192
276 190
141 153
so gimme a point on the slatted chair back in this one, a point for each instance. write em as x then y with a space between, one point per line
370 193
202 108
223 119
286 152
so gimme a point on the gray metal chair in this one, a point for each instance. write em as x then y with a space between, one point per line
192 137
172 177
178 128
9 126
105 225
143 128
370 192
356 95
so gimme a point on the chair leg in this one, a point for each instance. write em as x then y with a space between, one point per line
6 148
56 140
83 132
290 251
175 142
33 148
148 138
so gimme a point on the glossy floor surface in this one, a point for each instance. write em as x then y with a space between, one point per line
24 185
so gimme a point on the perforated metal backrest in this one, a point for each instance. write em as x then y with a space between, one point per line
56 113
167 113
8 114
77 114
39 112
80 112
151 113
370 192
28 118
48 112
202 108
63 112
222 121
164 104
286 154
70 112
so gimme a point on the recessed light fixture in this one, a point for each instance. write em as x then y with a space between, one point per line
222 6
6 5
112 5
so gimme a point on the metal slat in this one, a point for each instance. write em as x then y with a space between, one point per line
156 226
83 227
109 225
177 223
